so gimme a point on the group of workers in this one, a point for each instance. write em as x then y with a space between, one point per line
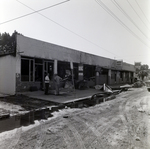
57 81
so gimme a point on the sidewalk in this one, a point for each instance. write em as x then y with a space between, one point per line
63 97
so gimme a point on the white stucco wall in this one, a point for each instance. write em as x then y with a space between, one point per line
90 59
128 67
18 64
7 75
36 48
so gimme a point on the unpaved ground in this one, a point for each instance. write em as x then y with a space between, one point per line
20 104
122 123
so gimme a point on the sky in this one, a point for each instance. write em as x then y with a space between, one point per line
116 29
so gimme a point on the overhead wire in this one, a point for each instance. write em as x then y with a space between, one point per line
142 11
68 29
116 3
100 3
129 18
137 13
35 11
55 23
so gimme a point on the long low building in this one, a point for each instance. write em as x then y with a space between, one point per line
26 67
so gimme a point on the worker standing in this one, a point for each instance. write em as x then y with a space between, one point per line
47 83
57 80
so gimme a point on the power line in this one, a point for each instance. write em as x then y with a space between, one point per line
137 14
119 7
119 21
134 56
67 29
142 11
35 11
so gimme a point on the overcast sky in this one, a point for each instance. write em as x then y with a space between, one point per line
117 29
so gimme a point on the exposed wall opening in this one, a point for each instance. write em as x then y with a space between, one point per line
103 78
104 71
75 70
26 69
49 67
62 68
121 76
114 75
38 70
89 71
132 77
127 76
31 69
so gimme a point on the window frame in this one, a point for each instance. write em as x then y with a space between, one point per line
29 73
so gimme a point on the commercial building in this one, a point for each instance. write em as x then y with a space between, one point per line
137 65
26 67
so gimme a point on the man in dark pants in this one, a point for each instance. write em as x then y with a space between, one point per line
46 83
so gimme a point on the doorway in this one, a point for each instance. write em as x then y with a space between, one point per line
49 67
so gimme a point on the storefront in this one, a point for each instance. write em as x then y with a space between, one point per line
34 58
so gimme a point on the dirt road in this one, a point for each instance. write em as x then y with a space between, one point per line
122 123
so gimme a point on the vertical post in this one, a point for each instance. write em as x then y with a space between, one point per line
109 76
71 66
129 77
29 70
97 78
118 77
55 66
124 77
43 79
33 70
80 71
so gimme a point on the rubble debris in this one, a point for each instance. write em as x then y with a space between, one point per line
141 110
137 139
65 116
107 89
4 113
125 87
98 87
138 84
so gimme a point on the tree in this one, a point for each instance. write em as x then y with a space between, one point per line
143 72
8 43
144 67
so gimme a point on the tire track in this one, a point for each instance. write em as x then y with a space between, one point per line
92 129
73 135
127 120
67 139
98 132
77 136
12 144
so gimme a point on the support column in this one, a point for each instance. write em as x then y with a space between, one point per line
55 66
109 76
124 77
118 77
72 74
97 78
129 77
80 72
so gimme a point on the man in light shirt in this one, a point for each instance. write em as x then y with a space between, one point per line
47 83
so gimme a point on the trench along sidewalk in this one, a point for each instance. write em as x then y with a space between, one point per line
26 101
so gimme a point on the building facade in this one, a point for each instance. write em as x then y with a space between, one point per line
33 58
